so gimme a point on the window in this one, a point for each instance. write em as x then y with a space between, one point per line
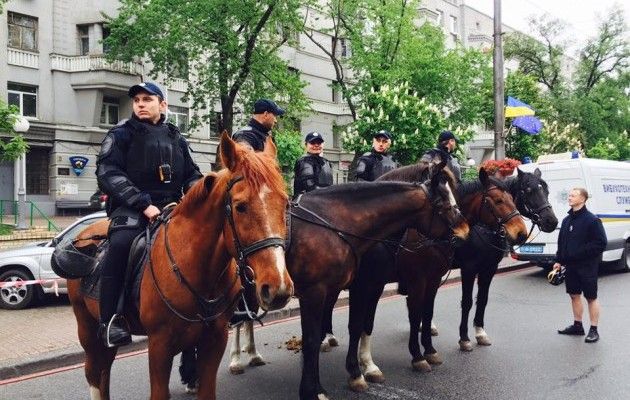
24 97
215 123
106 32
178 116
109 111
440 17
22 31
478 25
453 25
83 35
343 47
37 171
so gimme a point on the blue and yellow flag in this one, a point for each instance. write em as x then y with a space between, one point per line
516 108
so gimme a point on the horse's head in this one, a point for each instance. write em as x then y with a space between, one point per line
445 218
255 210
532 200
497 209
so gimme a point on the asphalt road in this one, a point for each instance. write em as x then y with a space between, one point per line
528 359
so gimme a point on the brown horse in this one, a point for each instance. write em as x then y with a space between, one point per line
346 220
421 265
238 212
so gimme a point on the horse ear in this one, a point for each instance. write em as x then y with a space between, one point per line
270 148
228 151
537 173
208 181
483 176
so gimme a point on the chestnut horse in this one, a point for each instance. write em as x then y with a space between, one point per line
189 286
424 269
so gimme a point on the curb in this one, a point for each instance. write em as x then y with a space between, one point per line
73 356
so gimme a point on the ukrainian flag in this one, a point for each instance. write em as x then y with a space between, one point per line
516 108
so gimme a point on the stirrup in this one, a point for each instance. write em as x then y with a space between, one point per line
119 329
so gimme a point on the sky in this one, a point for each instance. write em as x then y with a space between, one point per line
580 15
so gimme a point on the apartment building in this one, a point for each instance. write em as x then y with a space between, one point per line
52 66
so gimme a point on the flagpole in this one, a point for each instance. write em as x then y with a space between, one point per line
499 111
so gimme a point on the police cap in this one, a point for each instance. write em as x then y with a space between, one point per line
383 133
313 137
263 105
148 87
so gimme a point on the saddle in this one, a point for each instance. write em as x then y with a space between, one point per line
135 264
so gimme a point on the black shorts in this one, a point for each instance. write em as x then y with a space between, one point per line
582 279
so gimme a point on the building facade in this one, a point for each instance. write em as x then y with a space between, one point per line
52 67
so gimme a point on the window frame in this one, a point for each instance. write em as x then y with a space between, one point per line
107 103
20 27
81 37
174 115
21 94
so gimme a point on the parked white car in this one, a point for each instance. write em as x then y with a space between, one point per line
32 262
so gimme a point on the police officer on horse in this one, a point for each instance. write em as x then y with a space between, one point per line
312 171
376 162
144 164
447 142
254 135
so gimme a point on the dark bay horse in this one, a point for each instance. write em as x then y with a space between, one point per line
486 200
346 220
238 212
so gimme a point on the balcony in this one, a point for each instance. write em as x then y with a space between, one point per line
178 85
22 58
60 62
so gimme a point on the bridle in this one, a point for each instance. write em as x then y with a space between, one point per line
211 309
500 221
532 214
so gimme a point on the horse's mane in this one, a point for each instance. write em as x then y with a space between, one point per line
472 187
354 190
418 172
256 168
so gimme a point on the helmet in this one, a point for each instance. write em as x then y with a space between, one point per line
556 276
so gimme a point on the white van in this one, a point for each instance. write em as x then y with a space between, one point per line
608 185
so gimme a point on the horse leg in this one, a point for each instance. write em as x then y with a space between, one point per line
210 350
414 312
356 319
188 369
430 353
98 358
255 359
468 281
371 371
311 311
483 289
236 368
160 364
329 340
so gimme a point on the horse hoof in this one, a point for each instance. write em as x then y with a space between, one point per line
358 385
433 359
324 347
322 396
483 340
256 361
421 366
465 345
332 341
375 376
434 330
236 369
191 388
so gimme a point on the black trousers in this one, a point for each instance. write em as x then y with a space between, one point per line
114 267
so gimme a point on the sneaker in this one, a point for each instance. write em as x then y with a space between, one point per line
572 330
115 333
592 337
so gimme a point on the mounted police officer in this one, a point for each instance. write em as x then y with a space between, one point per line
312 171
143 165
447 142
375 163
254 135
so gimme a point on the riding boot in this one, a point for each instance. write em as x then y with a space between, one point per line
113 330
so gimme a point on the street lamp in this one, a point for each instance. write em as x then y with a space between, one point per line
21 125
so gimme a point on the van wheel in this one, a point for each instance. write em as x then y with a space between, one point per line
624 263
16 297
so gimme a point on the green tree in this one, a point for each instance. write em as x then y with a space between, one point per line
227 50
12 144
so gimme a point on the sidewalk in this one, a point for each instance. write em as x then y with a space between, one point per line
38 339
39 232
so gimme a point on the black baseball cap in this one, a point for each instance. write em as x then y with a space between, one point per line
148 87
383 133
314 137
263 105
446 135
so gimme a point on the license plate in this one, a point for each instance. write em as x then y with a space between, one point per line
532 248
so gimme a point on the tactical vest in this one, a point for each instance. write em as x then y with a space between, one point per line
152 149
325 176
382 163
